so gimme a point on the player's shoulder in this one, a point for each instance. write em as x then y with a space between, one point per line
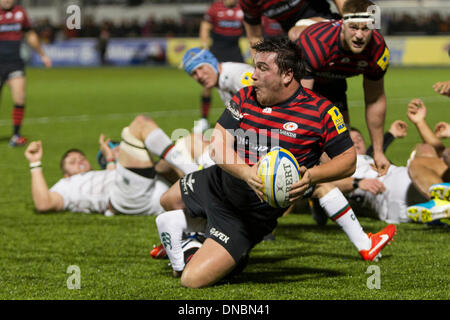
318 30
18 8
311 99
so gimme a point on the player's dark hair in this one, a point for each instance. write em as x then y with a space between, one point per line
288 56
355 129
356 6
64 156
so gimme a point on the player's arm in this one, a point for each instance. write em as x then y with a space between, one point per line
107 152
339 167
205 29
350 184
375 100
223 153
43 199
339 4
417 114
254 34
33 40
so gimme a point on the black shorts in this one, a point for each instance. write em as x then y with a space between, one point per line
333 90
227 53
230 222
11 70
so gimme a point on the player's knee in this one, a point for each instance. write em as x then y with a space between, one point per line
425 150
169 201
322 189
192 279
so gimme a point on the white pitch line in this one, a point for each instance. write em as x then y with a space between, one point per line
171 113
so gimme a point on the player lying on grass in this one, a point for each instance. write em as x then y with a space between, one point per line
228 195
429 167
227 77
390 197
133 185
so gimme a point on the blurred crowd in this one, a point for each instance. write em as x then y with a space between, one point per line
403 24
424 24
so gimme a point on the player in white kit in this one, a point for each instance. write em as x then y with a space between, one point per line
387 197
227 77
132 186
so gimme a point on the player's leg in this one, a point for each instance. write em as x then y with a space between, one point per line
430 176
159 144
211 263
17 84
172 200
205 106
426 171
339 210
171 227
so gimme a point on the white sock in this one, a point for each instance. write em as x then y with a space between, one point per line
205 159
338 209
171 226
158 143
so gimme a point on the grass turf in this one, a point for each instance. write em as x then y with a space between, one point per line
70 107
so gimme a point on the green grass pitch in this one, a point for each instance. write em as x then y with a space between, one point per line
71 107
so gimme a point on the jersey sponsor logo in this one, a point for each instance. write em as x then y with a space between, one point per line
288 134
219 235
338 119
166 240
290 126
187 182
18 15
229 24
234 110
362 64
345 60
10 27
384 60
267 110
247 79
282 8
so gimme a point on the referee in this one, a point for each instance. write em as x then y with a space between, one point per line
14 27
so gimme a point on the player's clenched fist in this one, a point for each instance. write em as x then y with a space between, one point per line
34 151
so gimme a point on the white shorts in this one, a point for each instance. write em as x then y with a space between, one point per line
391 205
135 194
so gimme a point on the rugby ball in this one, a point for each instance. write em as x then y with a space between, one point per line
278 170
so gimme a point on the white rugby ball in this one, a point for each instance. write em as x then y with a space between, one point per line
278 170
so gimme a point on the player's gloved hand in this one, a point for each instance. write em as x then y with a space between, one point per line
299 188
382 163
417 111
442 130
372 185
399 129
34 151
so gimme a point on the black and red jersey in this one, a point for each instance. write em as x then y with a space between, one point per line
286 12
325 57
306 124
271 27
226 22
13 24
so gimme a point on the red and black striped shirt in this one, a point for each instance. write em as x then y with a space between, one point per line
226 22
286 12
13 24
325 57
306 124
